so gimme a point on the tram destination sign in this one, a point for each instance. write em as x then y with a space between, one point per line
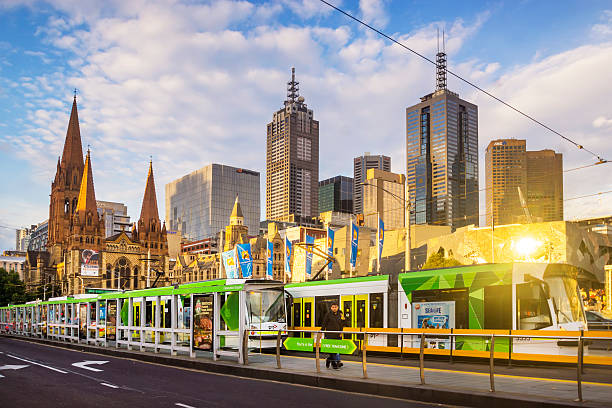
327 345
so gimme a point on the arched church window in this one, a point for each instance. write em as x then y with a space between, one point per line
89 220
135 281
74 205
74 180
66 206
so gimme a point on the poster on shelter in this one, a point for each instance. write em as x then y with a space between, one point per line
89 262
111 324
203 321
82 321
434 315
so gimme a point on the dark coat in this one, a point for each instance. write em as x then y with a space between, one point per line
334 322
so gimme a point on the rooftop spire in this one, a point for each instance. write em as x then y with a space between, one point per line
293 88
149 201
87 195
73 149
236 218
441 64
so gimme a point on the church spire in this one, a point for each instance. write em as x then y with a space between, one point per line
149 201
236 218
87 195
73 149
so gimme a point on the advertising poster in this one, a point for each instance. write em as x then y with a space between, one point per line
111 324
244 257
203 318
270 264
330 247
434 315
82 321
89 262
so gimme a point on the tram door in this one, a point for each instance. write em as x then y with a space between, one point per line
347 303
308 313
296 313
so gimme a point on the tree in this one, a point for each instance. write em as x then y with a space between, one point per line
12 289
437 260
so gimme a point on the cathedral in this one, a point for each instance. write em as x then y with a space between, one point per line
78 249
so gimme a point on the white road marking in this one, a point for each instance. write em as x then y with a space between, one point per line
12 367
84 364
183 405
1 376
38 364
110 385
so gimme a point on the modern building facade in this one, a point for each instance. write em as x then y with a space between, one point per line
198 204
383 195
442 157
336 194
361 165
509 166
115 217
39 235
292 160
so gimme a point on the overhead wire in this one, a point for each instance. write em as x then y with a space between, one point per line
470 83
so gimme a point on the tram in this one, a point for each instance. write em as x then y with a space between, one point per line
511 296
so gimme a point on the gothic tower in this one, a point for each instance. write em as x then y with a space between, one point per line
65 186
87 227
150 233
236 232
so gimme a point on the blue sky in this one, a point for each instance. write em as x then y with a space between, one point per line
196 82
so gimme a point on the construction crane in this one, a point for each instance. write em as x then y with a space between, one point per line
318 252
524 205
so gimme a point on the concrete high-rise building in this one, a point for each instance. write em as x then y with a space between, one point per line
539 174
115 217
383 195
198 204
442 157
292 160
336 194
361 165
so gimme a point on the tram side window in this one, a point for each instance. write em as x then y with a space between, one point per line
532 307
460 296
296 314
149 313
498 307
376 309
167 320
323 306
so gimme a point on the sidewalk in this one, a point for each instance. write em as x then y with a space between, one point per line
441 385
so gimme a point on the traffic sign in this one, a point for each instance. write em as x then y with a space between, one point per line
327 345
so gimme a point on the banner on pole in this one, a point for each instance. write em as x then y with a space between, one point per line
229 262
330 247
309 245
270 253
288 253
244 258
354 243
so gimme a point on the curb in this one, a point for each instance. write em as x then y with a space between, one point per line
422 393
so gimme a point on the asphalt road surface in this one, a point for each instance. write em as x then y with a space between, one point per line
35 375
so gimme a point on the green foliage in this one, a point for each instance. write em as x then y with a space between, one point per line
12 289
437 260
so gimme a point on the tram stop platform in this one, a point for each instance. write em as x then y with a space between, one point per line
442 385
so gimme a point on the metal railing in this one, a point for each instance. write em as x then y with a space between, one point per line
422 337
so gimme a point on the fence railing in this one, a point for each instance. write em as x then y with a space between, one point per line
422 350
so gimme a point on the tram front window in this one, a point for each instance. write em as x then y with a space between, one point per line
564 292
532 306
266 306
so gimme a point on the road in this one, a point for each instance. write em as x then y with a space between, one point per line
35 375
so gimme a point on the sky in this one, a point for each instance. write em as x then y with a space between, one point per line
191 82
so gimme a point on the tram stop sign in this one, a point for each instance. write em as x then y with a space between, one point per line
327 345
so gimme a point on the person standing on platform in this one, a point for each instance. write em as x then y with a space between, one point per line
333 321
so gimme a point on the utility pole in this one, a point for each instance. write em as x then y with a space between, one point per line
149 269
408 255
220 251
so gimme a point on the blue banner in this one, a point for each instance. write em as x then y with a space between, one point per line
269 269
244 257
381 237
288 253
310 245
330 247
354 243
229 262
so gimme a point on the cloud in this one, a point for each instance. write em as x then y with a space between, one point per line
373 12
602 121
603 29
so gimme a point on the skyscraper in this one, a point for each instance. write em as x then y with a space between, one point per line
361 165
383 196
336 194
442 156
539 174
199 203
292 160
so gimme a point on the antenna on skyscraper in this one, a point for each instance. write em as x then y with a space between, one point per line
441 64
293 88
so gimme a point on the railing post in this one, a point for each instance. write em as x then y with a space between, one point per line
492 363
245 347
317 347
363 356
422 359
510 343
278 343
452 338
579 367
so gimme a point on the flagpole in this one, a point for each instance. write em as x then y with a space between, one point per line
378 243
285 264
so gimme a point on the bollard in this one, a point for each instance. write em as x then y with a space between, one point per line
492 364
579 367
278 342
317 347
422 359
363 356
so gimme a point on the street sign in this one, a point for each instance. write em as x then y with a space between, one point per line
327 345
